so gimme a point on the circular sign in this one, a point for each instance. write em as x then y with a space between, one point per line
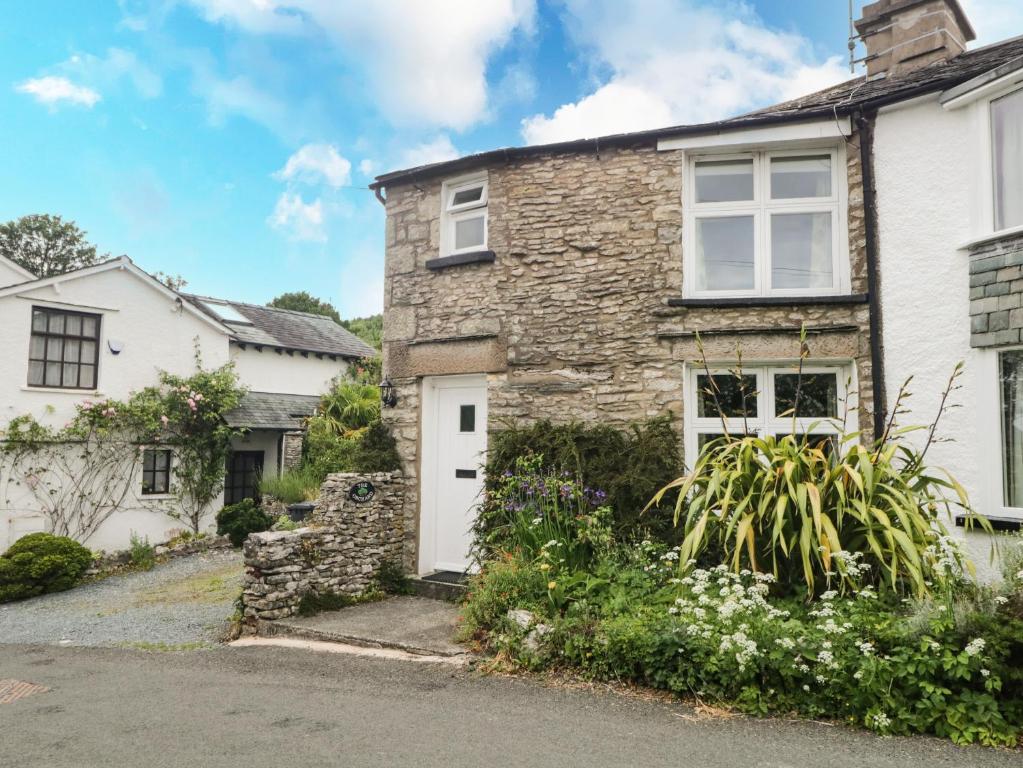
361 492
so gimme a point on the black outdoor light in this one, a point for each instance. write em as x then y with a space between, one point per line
387 394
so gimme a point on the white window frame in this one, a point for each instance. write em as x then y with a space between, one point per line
766 423
761 208
452 214
983 183
990 423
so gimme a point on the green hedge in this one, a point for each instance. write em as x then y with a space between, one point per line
237 521
41 563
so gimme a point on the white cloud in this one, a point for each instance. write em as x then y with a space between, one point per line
118 64
367 167
436 150
994 20
297 219
52 90
316 163
423 63
664 62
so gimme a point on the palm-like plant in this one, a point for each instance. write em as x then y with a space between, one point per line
349 407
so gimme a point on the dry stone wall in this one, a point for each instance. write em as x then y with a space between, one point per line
571 319
340 551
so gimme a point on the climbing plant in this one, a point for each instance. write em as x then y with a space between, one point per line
83 472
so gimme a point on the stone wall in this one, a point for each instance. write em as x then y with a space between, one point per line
340 551
996 292
291 450
572 319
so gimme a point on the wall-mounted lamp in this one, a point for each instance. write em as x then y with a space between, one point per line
388 397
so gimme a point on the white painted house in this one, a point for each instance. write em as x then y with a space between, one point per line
108 330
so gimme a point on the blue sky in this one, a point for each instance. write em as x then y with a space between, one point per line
230 141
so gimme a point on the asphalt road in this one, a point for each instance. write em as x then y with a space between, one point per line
257 707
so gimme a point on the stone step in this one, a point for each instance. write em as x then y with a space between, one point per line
425 586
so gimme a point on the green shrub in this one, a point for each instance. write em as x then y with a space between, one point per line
40 563
142 554
885 664
313 603
629 466
350 406
820 515
237 521
284 523
324 451
292 486
392 579
539 514
377 451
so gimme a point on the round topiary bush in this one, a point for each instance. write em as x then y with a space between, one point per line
237 521
40 563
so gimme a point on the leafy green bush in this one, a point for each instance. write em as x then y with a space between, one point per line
350 406
141 552
292 486
237 521
629 466
324 451
392 579
40 563
819 515
541 515
726 637
377 451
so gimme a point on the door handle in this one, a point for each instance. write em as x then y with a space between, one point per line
466 473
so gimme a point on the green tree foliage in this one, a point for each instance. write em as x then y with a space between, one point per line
47 245
350 406
377 451
369 329
302 301
40 563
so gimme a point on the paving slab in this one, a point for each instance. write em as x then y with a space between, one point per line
412 624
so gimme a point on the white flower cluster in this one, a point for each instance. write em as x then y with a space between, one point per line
944 555
879 721
975 646
745 649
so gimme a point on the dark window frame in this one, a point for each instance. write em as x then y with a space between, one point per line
158 478
64 337
241 482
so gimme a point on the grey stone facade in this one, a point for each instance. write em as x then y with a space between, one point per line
996 292
572 319
291 450
340 551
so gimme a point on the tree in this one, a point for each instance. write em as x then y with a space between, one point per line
301 301
369 329
47 245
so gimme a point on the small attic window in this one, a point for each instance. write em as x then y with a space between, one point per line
227 313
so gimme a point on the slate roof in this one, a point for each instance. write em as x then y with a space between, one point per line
272 410
287 329
839 100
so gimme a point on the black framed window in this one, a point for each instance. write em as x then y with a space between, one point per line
64 349
156 464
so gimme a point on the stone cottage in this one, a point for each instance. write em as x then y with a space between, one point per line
570 281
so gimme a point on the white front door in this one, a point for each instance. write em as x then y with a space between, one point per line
454 444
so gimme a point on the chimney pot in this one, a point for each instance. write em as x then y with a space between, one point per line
903 35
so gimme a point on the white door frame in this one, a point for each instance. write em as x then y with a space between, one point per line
429 458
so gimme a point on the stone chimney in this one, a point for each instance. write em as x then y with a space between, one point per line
903 35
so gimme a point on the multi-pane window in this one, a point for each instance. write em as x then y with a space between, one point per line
63 349
464 216
156 465
764 223
767 401
1007 159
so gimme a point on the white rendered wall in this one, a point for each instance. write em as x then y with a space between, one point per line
154 335
9 275
924 161
293 374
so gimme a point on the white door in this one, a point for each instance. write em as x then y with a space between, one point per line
454 444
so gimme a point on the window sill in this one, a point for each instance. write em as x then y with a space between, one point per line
63 391
458 259
753 302
1003 234
157 496
998 523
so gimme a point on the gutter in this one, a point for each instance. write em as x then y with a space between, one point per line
865 127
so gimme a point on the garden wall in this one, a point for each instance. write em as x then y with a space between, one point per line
347 540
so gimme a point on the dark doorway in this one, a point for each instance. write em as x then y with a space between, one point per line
243 471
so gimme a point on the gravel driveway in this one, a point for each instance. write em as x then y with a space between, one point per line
180 604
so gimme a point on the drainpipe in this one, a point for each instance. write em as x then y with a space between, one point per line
865 127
